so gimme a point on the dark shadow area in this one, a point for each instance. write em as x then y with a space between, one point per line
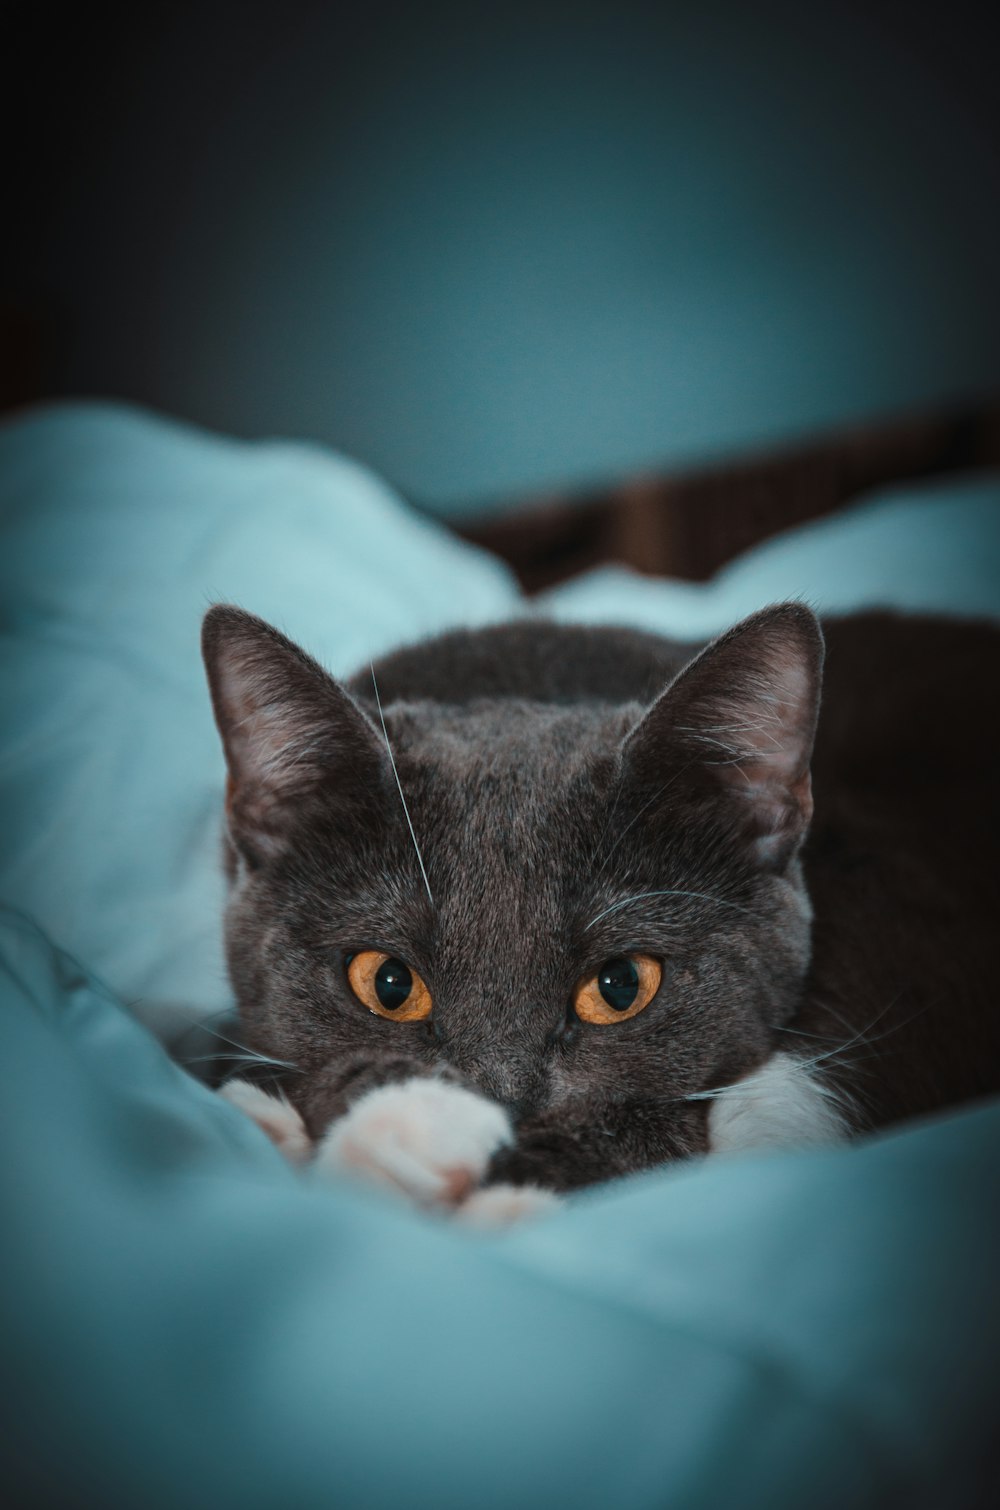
496 252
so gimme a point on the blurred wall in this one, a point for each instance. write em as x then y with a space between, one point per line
492 249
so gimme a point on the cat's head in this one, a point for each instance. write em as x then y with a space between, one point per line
570 906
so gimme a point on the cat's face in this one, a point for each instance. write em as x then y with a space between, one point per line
605 916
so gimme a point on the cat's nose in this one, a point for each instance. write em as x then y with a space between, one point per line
517 1101
502 1075
527 1102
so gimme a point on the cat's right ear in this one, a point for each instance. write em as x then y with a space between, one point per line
736 728
289 731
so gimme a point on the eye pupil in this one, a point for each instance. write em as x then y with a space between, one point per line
393 984
618 983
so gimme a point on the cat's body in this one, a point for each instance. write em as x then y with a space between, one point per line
569 815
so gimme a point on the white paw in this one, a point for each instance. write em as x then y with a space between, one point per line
273 1115
428 1138
502 1205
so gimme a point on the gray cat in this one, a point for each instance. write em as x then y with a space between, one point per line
522 909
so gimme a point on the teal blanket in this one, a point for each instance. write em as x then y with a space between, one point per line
189 1323
186 1321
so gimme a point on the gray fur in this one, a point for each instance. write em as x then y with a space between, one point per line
573 798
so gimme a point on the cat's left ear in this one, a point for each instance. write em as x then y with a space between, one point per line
290 732
737 728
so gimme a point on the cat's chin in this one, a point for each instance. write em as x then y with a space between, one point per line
427 1139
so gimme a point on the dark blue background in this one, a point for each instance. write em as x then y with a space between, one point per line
491 248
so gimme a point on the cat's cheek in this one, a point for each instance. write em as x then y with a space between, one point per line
426 1138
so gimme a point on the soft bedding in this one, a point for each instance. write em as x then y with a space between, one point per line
187 1321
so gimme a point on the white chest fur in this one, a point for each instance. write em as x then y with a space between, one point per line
781 1104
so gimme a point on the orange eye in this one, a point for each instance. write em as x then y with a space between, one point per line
622 987
388 987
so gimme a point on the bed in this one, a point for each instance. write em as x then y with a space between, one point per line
187 1320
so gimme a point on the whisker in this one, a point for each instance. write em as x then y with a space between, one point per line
406 810
801 1033
840 1017
244 1058
896 1027
835 1093
205 1026
701 896
735 1092
243 1052
861 1036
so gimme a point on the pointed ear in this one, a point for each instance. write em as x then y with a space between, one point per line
288 729
737 728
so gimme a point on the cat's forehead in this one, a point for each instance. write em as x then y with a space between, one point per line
510 737
508 801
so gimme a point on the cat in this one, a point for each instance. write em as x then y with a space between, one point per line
523 909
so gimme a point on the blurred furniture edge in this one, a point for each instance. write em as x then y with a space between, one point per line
684 524
689 524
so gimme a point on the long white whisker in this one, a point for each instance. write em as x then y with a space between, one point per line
399 785
245 1058
861 1036
700 895
736 1091
206 1027
801 1033
243 1050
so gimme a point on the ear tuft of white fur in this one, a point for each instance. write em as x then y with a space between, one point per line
781 1104
273 1115
428 1138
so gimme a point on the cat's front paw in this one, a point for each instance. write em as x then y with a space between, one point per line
504 1205
430 1139
273 1115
